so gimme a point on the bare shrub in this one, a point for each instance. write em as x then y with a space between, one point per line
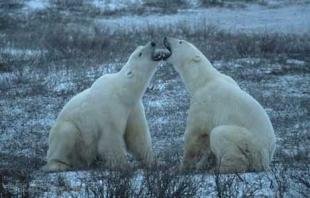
79 41
13 4
4 192
70 39
166 6
112 184
163 3
211 2
14 183
281 178
168 183
302 179
7 21
225 185
154 182
67 4
239 185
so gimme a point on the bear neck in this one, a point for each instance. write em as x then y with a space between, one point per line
197 74
136 84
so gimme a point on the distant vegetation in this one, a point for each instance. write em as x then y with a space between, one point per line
71 36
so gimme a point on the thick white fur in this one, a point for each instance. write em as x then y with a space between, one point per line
223 120
106 120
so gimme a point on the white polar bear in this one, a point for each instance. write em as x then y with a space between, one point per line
106 120
223 120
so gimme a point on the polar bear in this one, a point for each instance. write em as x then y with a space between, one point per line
224 122
107 119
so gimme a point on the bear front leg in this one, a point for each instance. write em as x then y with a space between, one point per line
112 150
62 153
192 152
196 149
207 161
137 136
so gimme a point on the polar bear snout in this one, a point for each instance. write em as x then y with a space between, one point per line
151 52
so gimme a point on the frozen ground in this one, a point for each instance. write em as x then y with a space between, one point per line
243 185
47 55
29 108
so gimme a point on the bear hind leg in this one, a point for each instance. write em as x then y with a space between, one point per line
62 154
196 151
137 136
233 148
112 150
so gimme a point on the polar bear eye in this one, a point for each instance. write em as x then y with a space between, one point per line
180 42
140 54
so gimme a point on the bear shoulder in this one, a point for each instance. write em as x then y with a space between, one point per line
75 103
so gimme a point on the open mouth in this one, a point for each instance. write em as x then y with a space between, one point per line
160 54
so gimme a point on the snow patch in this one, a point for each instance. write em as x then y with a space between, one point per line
295 62
21 52
108 5
158 103
36 5
63 87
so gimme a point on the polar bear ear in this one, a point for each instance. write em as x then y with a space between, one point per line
196 58
129 74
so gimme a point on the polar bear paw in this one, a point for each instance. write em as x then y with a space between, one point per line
55 166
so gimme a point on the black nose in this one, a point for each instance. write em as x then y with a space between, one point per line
153 44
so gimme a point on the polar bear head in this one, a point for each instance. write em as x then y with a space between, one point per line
182 53
143 61
140 67
193 67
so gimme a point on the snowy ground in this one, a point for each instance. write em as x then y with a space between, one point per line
37 77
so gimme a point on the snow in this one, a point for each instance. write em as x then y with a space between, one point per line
158 104
36 5
294 61
21 52
290 82
108 5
